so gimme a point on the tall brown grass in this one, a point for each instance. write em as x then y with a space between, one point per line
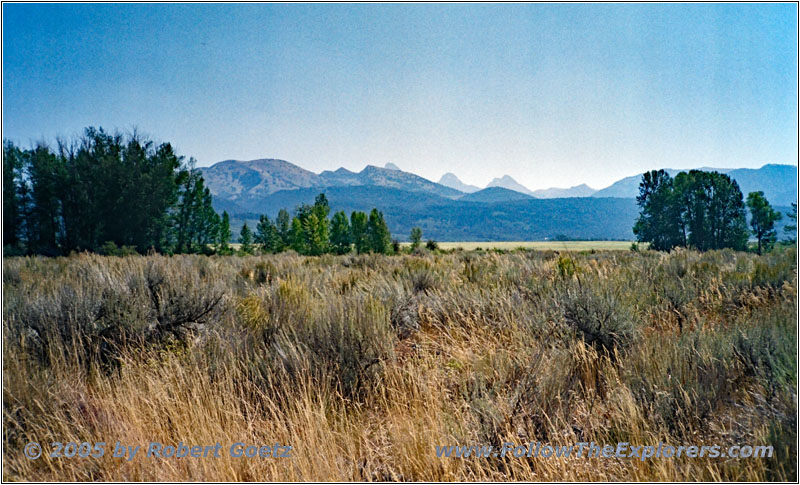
365 363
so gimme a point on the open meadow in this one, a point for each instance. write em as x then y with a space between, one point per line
365 363
539 245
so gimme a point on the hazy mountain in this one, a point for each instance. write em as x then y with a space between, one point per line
450 180
509 183
495 194
778 182
234 179
391 166
385 177
503 211
246 182
621 188
581 190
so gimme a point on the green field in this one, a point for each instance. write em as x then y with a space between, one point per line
541 245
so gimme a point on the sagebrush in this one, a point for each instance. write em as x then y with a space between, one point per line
365 363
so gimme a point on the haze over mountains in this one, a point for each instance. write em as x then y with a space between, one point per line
451 210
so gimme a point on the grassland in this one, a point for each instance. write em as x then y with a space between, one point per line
365 363
537 245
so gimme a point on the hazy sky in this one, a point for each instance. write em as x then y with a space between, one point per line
553 95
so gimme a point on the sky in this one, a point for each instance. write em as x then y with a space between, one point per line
551 94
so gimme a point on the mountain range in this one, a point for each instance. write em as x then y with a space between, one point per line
451 210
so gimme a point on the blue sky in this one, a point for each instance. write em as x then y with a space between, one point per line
551 94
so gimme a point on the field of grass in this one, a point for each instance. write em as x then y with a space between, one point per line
539 245
365 363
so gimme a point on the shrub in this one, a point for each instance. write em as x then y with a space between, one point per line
599 316
109 248
566 266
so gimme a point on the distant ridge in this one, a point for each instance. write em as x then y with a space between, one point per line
581 190
495 194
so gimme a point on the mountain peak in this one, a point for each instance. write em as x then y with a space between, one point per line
451 180
392 166
508 182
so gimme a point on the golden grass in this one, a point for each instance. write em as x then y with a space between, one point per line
288 358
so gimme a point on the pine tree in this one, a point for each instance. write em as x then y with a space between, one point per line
762 220
224 234
340 233
267 235
246 240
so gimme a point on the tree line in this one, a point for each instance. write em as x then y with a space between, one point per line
312 232
106 192
702 210
122 194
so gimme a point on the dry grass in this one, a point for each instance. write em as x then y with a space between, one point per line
365 363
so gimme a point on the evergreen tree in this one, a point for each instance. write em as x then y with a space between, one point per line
267 235
762 220
321 207
246 240
224 234
340 233
208 221
378 236
358 231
